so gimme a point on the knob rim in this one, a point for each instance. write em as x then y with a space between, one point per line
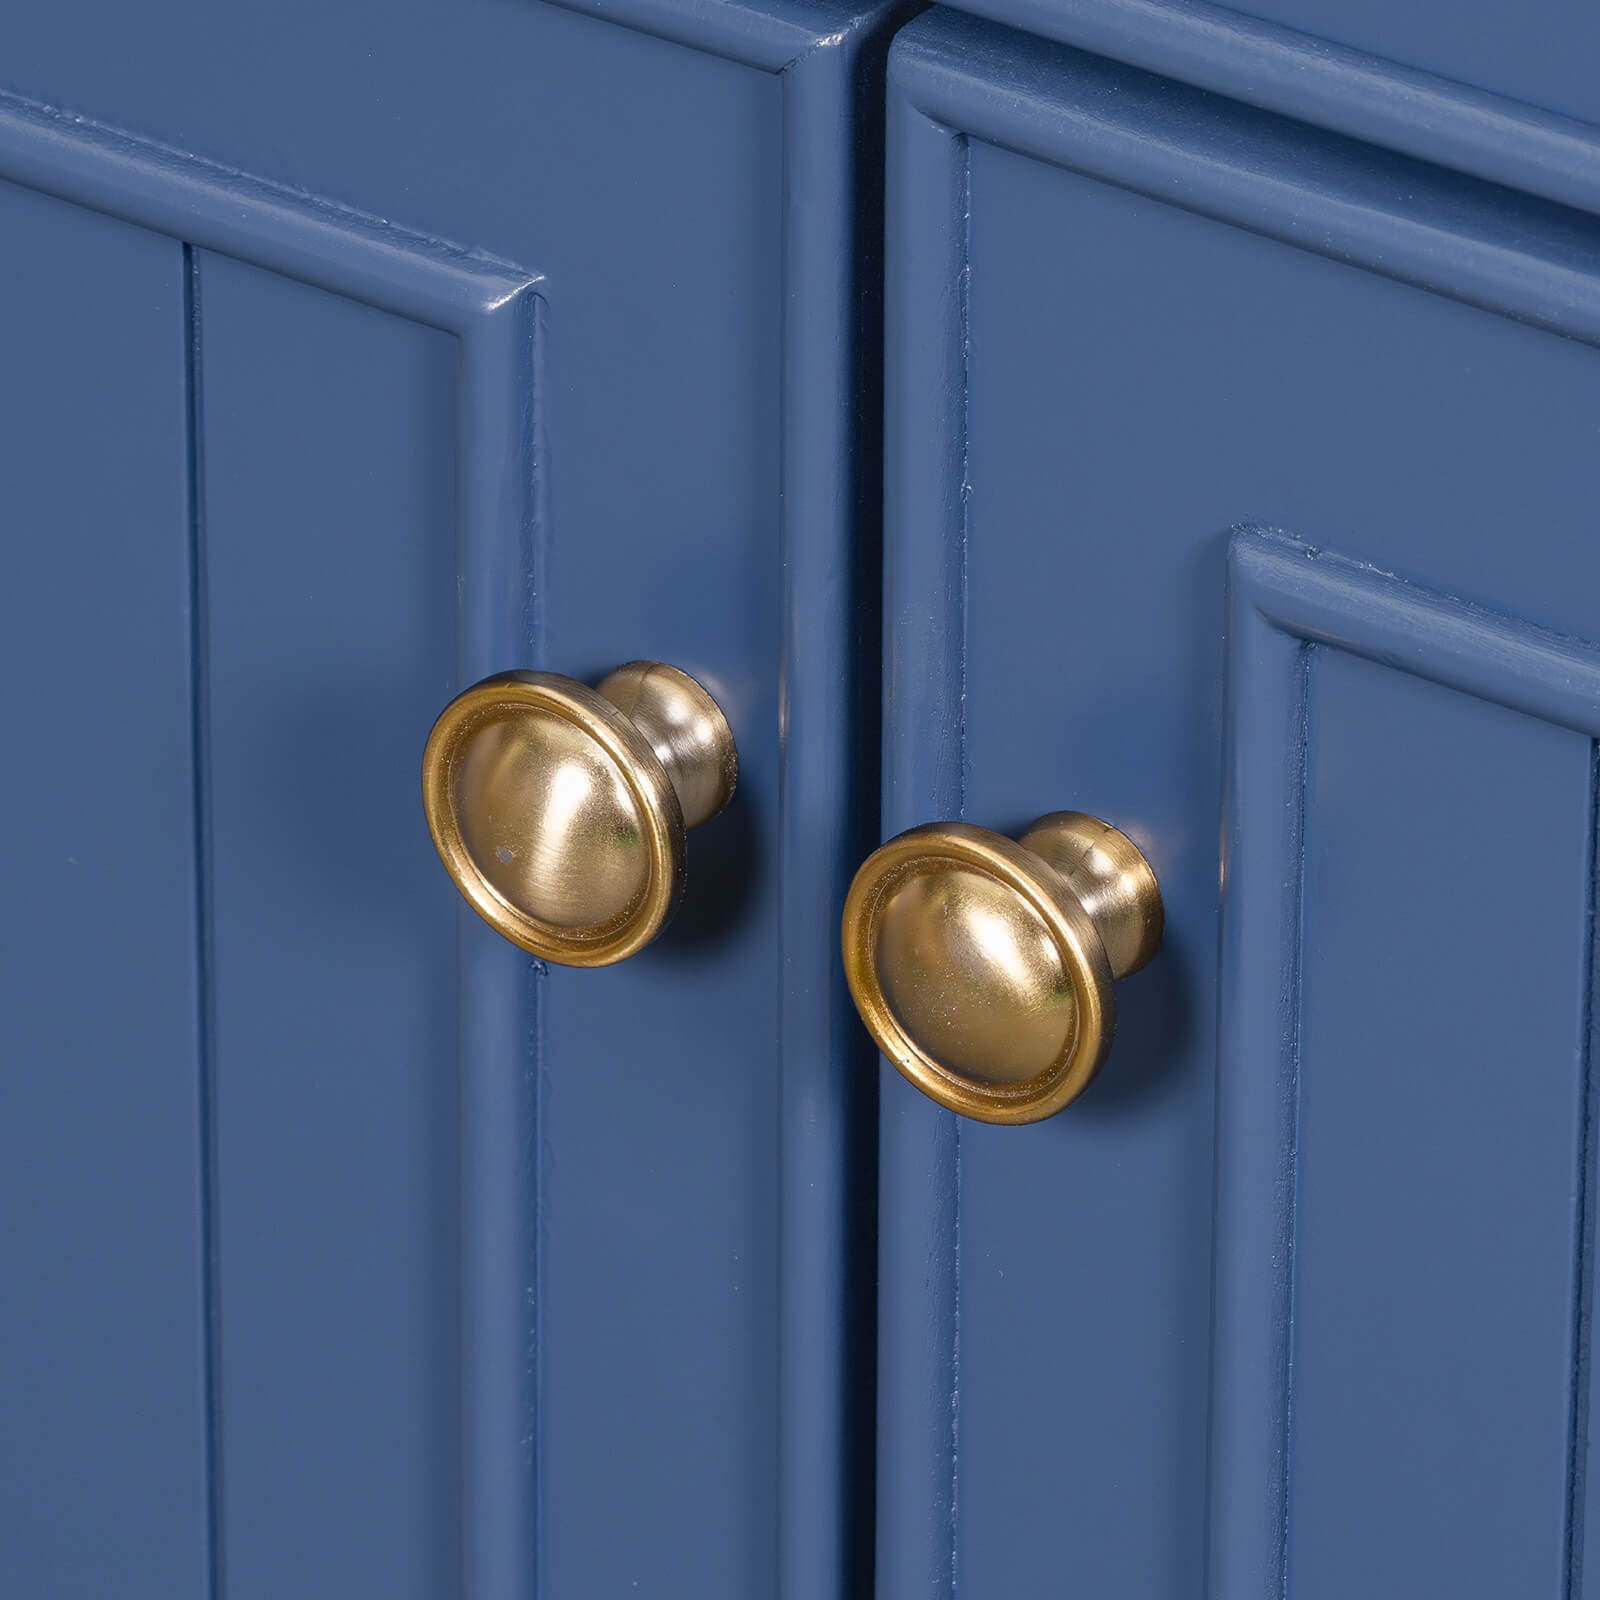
1042 894
655 800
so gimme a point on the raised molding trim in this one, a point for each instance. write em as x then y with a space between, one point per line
495 311
1509 253
1345 90
1284 598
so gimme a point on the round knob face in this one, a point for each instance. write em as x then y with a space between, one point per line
549 820
978 973
973 975
555 817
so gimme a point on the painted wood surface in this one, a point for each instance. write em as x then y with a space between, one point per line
518 1281
1400 1298
102 1168
1491 89
1183 1336
1238 480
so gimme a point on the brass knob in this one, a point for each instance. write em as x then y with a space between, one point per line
560 810
983 967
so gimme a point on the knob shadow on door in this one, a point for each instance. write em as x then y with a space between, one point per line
560 810
984 966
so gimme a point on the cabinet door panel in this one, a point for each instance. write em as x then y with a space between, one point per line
523 338
1439 1119
1125 321
102 1311
330 477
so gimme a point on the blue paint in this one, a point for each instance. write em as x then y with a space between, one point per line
1437 1244
1122 318
1353 91
924 772
1534 261
490 308
566 1297
548 335
337 1275
1284 601
1531 52
102 1309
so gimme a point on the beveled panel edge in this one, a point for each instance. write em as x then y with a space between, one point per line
1267 678
1326 598
495 310
1510 253
494 307
1334 86
1284 597
213 207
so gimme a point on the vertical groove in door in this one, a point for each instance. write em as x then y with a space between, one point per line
827 1108
927 219
1583 1271
535 559
964 774
1294 985
955 1350
205 1016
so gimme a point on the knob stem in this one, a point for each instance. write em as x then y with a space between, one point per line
686 729
1111 879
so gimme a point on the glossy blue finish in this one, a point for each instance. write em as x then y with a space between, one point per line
1353 1248
491 309
520 1282
102 1306
1535 52
1440 1143
1501 90
1295 1300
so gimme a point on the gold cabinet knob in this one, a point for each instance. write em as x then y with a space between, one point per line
560 810
983 967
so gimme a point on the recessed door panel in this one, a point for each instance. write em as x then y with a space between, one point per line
1440 1137
1126 321
102 1317
329 464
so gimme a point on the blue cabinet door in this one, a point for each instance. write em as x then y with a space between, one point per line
1240 489
351 353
